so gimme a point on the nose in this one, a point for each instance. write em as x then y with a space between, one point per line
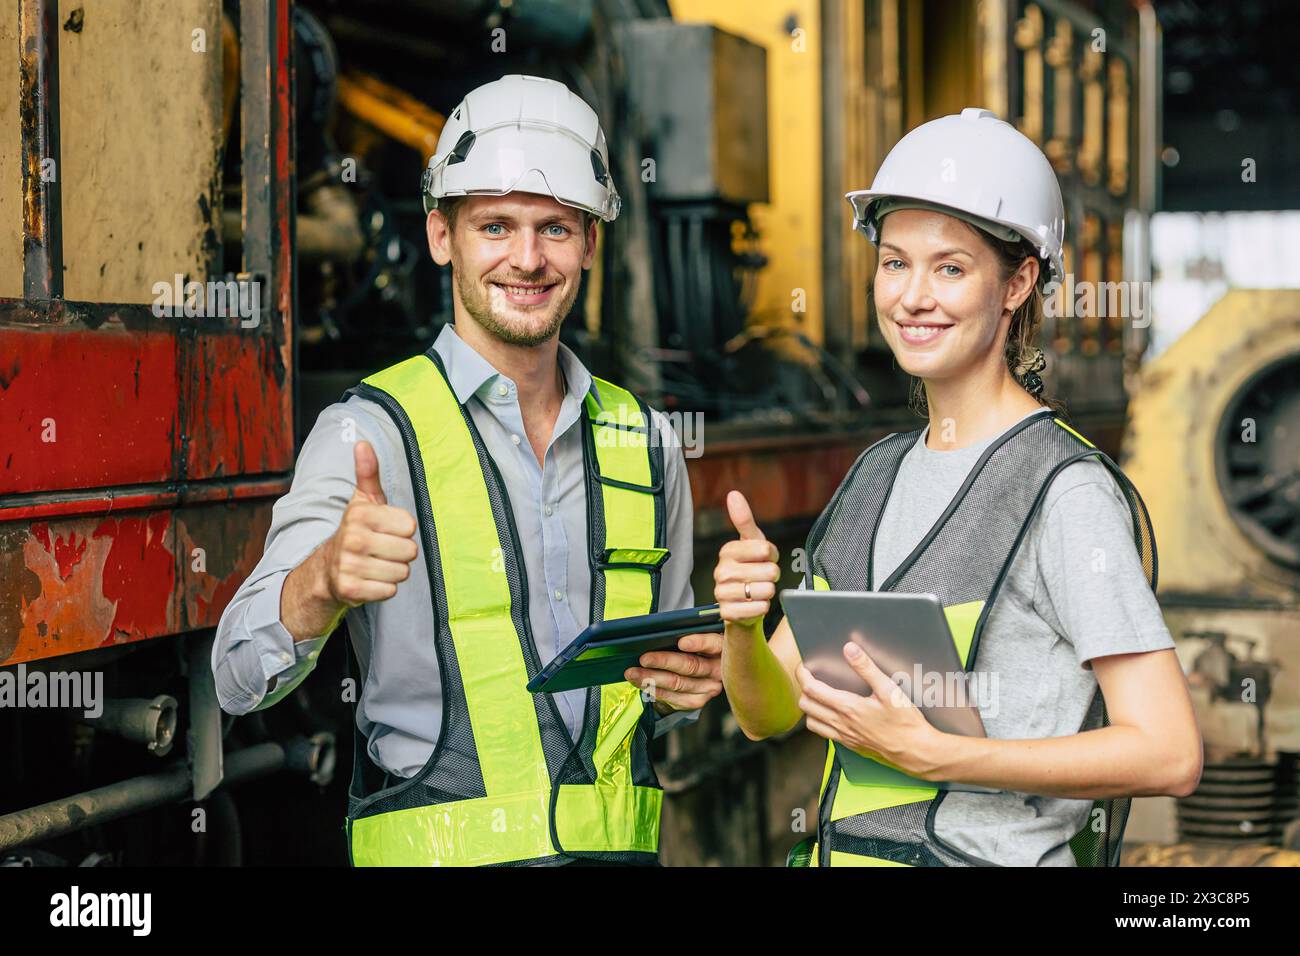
916 295
526 252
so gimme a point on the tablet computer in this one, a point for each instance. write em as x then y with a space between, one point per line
601 653
904 634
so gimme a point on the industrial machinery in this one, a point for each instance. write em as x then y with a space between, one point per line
1215 427
147 399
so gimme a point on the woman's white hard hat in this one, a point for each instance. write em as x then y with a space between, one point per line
978 168
525 134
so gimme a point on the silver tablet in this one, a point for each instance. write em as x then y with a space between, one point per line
907 636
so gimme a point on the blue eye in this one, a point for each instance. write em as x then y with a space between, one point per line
493 225
892 262
563 230
954 274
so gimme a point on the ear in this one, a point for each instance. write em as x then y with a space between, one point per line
439 233
589 243
1021 284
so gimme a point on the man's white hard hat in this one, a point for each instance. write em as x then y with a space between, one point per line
525 134
978 168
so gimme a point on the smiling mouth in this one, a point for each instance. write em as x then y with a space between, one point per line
528 294
920 333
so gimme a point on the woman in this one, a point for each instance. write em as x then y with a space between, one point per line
1035 543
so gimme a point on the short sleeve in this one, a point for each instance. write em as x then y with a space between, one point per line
1092 586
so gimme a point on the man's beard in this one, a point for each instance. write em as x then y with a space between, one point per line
477 302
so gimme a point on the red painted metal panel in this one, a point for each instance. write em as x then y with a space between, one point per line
96 396
76 584
83 408
236 409
783 478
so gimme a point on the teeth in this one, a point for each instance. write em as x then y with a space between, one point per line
524 289
922 331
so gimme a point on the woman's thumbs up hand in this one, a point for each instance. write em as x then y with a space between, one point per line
747 572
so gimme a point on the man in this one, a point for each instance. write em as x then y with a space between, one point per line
470 511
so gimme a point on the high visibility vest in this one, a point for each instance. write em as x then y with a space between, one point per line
964 560
506 784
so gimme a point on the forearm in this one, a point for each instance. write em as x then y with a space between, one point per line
255 660
1107 762
307 609
763 699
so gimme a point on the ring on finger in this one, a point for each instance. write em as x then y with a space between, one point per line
748 596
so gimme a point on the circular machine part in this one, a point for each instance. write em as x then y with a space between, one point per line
1257 459
1242 801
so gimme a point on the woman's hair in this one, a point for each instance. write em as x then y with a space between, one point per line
1024 359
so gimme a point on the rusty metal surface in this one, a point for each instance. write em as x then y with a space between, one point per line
38 110
141 143
141 453
76 584
97 396
785 478
268 206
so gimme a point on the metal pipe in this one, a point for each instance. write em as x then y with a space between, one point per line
313 756
148 722
328 230
69 814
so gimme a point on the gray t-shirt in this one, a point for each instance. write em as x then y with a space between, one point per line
1075 591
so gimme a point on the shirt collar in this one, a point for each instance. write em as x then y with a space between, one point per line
471 374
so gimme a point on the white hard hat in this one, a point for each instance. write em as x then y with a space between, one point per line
978 168
526 134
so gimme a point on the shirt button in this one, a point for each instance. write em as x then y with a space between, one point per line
515 439
559 595
285 658
502 390
549 511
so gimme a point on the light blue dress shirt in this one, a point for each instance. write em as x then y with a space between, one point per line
400 703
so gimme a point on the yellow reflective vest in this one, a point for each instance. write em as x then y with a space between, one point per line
505 783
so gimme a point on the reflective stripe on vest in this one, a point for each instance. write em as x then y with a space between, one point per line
521 817
964 559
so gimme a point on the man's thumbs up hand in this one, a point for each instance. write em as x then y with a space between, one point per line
367 464
372 550
747 572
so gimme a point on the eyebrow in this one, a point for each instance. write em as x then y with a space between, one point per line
488 215
941 254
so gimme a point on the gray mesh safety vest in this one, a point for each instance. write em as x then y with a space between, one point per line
963 560
505 784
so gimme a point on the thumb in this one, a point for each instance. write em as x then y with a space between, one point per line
742 517
368 473
882 686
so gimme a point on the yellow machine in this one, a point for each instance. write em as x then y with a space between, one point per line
1214 442
846 80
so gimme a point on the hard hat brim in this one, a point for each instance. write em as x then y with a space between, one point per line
865 220
525 157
